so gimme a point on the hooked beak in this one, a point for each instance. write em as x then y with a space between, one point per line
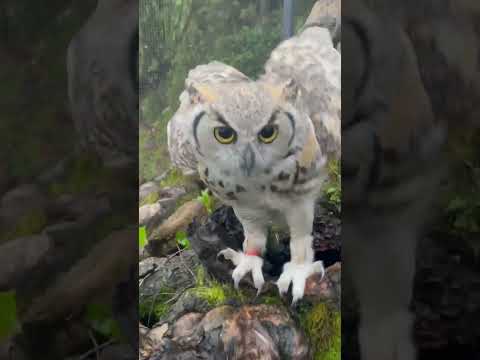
248 160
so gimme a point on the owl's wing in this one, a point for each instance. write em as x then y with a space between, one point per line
178 128
327 14
311 60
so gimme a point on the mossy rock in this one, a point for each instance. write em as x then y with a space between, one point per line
322 325
30 223
151 198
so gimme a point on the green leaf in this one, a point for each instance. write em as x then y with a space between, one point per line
142 237
8 314
182 240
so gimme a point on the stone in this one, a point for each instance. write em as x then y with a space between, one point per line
186 325
23 212
326 289
147 212
270 328
147 189
247 332
159 237
19 256
168 273
157 333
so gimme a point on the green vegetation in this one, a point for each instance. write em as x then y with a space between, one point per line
100 318
151 198
142 237
155 307
8 315
213 291
333 189
175 177
182 240
322 325
207 200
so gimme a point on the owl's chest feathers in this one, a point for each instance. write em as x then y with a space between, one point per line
273 189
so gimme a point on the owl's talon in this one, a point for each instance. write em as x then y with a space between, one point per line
297 275
245 264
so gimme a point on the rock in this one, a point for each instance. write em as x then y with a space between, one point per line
160 239
172 193
328 289
23 212
263 332
186 325
147 212
188 302
168 273
19 256
147 189
157 333
248 332
76 207
216 318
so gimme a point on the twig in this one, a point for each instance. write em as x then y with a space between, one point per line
175 254
95 344
95 350
186 267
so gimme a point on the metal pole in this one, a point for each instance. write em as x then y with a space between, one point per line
287 18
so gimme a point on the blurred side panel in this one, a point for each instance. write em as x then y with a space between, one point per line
411 189
69 179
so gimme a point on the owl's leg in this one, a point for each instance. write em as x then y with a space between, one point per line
301 265
381 264
254 245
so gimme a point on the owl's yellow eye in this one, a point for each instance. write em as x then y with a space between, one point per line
268 134
224 134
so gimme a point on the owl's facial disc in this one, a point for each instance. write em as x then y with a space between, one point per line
245 146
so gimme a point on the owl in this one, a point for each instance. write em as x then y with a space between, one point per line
261 146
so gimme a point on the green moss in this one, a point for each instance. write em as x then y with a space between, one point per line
174 178
30 224
150 199
213 291
271 300
322 326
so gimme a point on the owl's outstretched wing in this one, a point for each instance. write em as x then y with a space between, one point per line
179 144
311 60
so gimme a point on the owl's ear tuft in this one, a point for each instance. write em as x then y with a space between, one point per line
201 93
287 91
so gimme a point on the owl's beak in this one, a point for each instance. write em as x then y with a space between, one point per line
247 160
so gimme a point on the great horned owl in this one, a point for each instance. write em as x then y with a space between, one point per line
261 146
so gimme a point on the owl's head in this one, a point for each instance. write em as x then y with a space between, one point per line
246 128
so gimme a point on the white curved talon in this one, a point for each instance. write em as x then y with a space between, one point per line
297 274
245 264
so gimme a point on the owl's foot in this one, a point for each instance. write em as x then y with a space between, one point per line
297 274
245 263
